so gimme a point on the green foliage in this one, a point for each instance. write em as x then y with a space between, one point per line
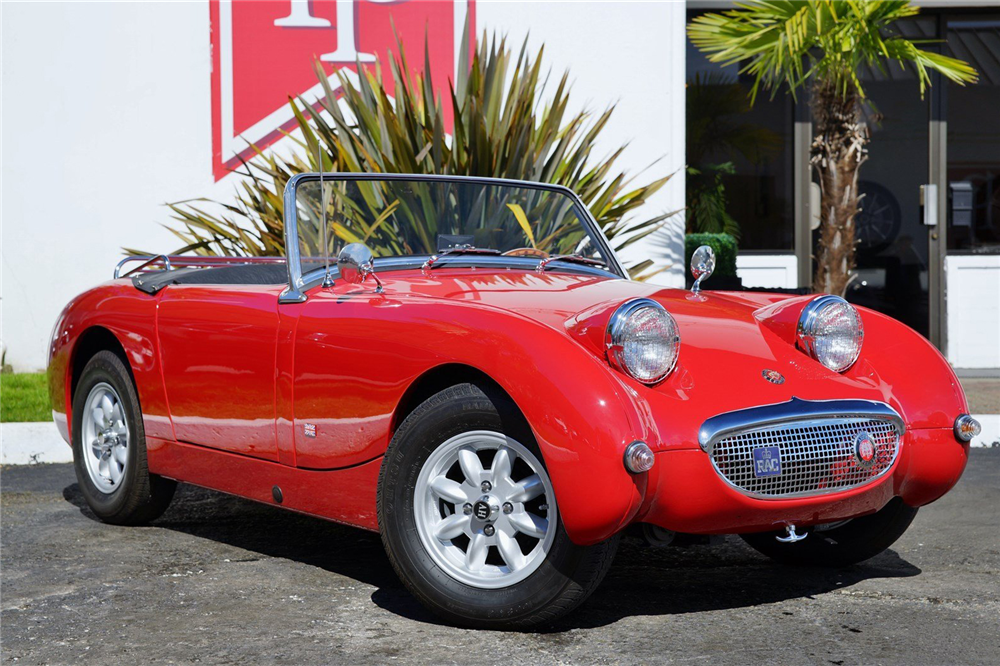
24 397
717 107
789 42
706 199
716 121
724 246
505 125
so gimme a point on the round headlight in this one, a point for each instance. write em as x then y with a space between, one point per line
642 340
830 331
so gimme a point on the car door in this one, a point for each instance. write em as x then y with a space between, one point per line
217 346
346 380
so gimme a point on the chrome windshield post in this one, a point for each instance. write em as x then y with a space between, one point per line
293 292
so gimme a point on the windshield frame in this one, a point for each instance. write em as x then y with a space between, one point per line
298 282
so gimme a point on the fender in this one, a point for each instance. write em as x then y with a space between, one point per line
356 356
130 317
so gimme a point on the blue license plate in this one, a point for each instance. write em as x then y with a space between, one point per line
766 461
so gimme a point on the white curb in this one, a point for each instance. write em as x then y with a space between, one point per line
32 443
990 436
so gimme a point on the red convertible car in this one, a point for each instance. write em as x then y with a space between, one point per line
474 376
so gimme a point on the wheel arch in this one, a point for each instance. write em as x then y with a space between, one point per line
444 376
92 341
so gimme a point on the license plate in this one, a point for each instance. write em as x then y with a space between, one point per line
766 461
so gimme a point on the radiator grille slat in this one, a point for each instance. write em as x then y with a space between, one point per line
817 456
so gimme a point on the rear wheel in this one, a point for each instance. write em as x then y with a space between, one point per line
469 519
109 446
840 544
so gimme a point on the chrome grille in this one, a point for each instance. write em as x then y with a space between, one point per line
817 456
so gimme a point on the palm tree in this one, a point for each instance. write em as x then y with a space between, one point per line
825 43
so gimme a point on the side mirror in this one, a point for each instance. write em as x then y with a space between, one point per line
355 263
702 266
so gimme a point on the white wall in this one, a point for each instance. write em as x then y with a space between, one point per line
106 114
973 311
769 271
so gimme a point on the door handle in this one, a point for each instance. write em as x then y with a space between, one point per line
929 202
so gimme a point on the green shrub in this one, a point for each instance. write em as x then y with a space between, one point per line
725 251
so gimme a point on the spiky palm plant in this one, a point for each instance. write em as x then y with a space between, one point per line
505 125
824 43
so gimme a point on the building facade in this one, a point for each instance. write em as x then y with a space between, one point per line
112 109
929 230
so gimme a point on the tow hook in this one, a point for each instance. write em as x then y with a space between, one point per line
791 536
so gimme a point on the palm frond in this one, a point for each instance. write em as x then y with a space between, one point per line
784 43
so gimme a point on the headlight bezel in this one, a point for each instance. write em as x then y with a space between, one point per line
809 319
614 344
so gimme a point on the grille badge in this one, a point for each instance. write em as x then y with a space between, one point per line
864 448
773 376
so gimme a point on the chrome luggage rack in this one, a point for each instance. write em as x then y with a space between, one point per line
172 261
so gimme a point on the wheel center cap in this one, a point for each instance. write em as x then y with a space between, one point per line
482 510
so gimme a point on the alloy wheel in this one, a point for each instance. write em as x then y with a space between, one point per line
105 438
484 509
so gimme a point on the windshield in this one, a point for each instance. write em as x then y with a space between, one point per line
418 218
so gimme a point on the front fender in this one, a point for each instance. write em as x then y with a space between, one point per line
580 413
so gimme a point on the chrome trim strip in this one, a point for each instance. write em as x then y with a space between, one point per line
146 261
294 293
720 426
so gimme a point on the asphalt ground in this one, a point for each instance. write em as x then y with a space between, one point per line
221 580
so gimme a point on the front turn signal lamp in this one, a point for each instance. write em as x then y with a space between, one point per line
639 457
967 428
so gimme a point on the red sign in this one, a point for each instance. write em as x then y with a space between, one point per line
263 51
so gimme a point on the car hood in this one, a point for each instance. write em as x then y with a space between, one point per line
728 341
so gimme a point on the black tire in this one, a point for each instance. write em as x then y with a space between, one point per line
855 541
564 579
140 496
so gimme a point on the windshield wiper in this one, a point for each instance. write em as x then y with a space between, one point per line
572 258
458 250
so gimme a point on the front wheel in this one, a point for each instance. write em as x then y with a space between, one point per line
469 519
109 446
842 543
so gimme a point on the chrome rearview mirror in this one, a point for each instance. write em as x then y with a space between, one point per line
355 263
702 266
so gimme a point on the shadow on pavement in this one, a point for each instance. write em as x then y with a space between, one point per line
642 581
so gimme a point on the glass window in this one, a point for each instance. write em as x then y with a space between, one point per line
748 151
974 138
519 225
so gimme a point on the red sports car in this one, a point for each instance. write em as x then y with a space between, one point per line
474 376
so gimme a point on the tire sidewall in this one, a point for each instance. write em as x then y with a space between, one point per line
413 444
108 368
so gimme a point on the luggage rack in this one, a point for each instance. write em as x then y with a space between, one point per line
171 261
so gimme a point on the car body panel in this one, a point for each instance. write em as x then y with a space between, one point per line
218 346
344 359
